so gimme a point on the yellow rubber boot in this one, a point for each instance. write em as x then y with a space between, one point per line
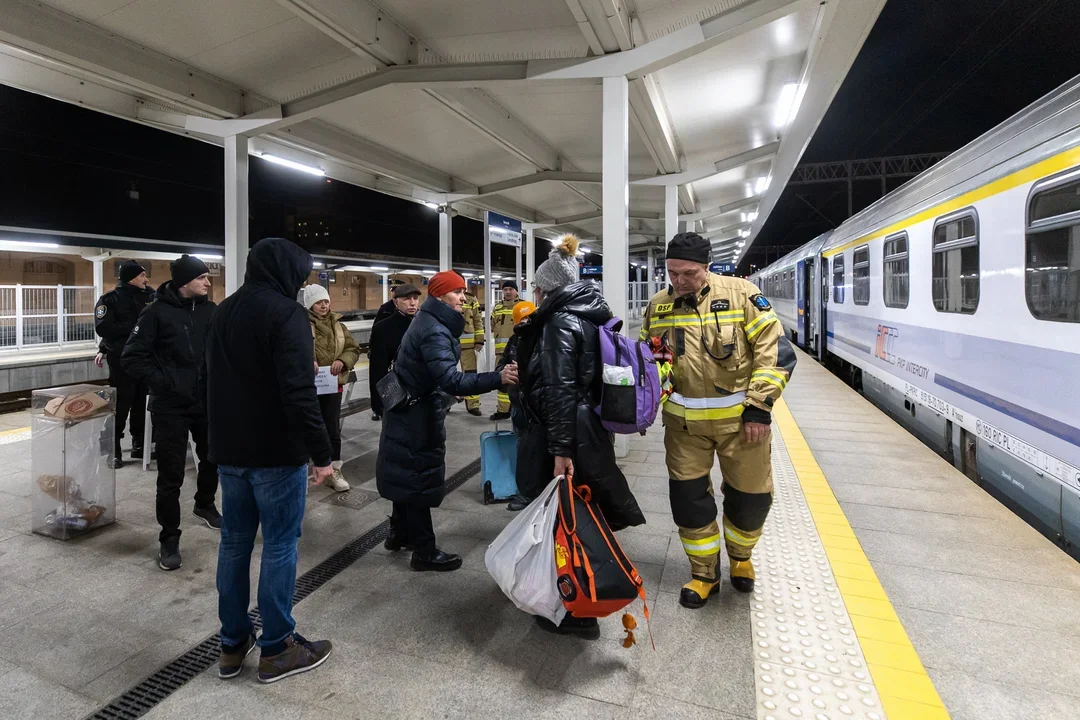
696 593
742 575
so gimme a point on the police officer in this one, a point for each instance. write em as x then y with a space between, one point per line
472 342
115 315
730 362
502 329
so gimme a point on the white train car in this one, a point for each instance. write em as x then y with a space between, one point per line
789 285
953 303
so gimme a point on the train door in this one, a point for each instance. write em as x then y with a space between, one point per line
823 328
806 301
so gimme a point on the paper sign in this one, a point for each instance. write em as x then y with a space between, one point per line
325 383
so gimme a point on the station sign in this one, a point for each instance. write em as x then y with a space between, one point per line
587 270
213 269
720 268
503 230
324 276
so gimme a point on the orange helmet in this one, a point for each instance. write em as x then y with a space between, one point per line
522 310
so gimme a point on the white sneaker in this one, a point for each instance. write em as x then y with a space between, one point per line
337 481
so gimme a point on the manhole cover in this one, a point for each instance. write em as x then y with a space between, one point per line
355 499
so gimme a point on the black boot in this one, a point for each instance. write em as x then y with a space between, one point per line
395 542
584 628
518 503
136 452
439 562
116 463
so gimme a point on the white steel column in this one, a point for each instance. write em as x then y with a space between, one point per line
99 277
671 213
385 287
485 300
650 273
517 268
530 261
236 211
616 192
446 238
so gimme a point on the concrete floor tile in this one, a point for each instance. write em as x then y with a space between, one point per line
651 485
601 670
936 527
1003 601
653 503
969 698
484 526
208 696
25 558
114 682
648 469
655 524
15 481
18 603
971 502
657 706
24 694
641 548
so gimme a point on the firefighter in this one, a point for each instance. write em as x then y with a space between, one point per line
115 314
472 342
502 329
730 362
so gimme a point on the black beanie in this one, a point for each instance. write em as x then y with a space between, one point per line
186 269
509 284
689 246
129 270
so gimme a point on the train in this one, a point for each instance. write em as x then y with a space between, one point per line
953 304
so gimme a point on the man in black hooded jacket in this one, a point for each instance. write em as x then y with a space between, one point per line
265 424
165 351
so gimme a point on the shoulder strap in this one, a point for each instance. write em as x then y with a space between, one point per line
614 324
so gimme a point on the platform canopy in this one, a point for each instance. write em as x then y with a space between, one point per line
485 104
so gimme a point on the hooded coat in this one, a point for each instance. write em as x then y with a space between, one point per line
560 371
327 332
263 408
411 466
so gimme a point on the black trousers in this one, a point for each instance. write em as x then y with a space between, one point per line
130 402
330 405
413 522
171 436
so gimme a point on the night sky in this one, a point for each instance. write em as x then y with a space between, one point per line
932 76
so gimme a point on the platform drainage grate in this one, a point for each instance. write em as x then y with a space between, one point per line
143 697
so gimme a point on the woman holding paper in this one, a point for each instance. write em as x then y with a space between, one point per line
336 353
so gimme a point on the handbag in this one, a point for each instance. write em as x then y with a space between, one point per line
392 393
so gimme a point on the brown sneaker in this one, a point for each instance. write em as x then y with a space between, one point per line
300 656
230 664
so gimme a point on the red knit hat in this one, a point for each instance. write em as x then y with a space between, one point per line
445 282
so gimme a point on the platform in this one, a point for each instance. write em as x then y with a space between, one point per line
889 586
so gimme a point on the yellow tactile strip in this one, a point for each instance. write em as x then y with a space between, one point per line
901 681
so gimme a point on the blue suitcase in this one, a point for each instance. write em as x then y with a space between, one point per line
498 465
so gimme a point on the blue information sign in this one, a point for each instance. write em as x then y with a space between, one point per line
503 230
592 270
720 268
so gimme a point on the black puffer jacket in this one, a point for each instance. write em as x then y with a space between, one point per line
411 465
263 408
165 352
561 372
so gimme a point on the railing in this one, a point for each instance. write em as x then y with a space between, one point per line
44 315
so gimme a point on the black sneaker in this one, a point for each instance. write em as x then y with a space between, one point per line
169 556
300 656
231 662
208 515
439 562
376 417
499 416
116 463
584 628
137 452
517 503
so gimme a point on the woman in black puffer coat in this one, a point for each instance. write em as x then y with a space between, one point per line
560 377
411 468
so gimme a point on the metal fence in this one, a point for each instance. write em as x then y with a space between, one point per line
44 315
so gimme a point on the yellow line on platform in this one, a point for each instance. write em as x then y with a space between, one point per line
901 680
16 430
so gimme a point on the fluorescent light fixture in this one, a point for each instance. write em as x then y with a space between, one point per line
433 206
496 277
432 272
467 275
762 184
787 107
26 244
585 249
309 169
380 268
208 257
316 264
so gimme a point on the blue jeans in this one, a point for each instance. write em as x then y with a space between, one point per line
275 497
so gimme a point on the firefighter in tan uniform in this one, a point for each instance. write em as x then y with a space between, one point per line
472 342
502 329
730 362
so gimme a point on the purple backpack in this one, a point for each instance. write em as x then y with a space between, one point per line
630 391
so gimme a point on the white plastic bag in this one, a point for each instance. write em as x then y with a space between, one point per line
522 558
618 375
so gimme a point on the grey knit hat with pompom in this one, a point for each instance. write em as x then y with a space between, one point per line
561 267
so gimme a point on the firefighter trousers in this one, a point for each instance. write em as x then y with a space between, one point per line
504 399
747 487
468 365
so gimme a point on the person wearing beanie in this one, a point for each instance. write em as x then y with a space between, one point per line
336 349
502 328
561 376
115 314
410 470
165 351
386 338
730 363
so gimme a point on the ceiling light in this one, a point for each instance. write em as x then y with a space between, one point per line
311 170
762 184
432 272
379 268
468 275
752 216
784 31
26 244
433 206
585 249
787 107
208 257
316 264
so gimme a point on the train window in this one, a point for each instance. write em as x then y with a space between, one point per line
1052 256
838 278
895 270
860 275
956 262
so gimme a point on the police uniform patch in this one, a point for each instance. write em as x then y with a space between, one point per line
100 311
719 305
760 302
664 307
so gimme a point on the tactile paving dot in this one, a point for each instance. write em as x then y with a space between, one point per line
809 663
